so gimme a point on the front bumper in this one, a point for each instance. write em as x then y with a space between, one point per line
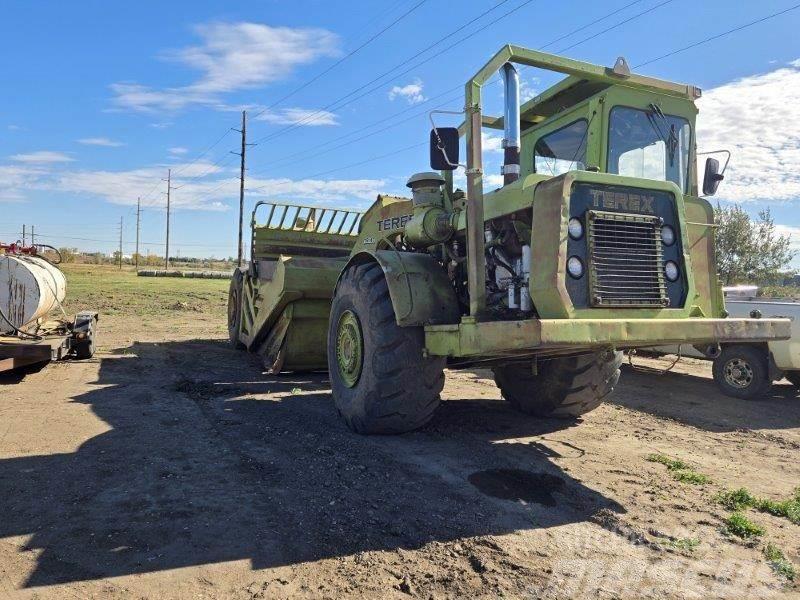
472 338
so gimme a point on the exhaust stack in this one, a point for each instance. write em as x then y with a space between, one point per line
511 117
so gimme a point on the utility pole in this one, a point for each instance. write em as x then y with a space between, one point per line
241 154
169 187
33 239
120 243
23 235
138 214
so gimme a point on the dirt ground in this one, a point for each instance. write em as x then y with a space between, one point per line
170 466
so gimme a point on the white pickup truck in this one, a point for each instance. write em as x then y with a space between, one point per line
748 370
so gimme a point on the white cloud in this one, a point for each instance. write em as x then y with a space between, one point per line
756 119
160 125
14 128
197 186
123 187
527 91
319 190
42 156
299 116
491 143
177 150
100 141
15 179
792 232
412 92
232 56
492 181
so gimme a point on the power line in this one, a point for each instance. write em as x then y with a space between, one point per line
584 27
204 152
223 160
382 121
138 216
309 82
340 100
343 59
719 35
368 160
365 136
242 156
293 126
116 241
628 20
120 243
169 189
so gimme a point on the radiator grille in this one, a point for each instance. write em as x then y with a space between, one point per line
625 260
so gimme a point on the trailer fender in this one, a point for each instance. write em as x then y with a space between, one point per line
420 291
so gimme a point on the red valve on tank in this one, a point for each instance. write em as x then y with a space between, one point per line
18 248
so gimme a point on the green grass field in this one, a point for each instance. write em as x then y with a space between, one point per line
114 292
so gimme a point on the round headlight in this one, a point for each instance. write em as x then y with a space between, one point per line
671 270
667 235
575 267
575 228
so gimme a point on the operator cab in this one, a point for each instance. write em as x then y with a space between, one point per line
611 129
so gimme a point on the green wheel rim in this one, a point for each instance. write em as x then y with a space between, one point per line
349 348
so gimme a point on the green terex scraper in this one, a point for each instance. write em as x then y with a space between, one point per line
597 241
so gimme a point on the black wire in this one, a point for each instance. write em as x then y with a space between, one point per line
54 249
389 72
607 29
17 330
719 35
502 263
341 60
307 151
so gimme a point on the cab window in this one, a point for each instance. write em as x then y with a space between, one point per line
649 144
561 150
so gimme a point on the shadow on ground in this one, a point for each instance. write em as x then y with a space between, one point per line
208 460
696 401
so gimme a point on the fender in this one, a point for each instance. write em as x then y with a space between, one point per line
420 291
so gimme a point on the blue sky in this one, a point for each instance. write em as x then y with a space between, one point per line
101 98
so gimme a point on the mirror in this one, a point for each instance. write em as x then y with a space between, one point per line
444 148
712 177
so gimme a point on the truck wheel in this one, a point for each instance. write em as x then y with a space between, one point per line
793 377
563 387
84 350
742 371
381 381
235 308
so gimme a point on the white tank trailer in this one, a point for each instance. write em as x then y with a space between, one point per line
31 291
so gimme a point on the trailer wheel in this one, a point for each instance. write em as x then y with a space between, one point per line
85 349
381 381
793 377
742 371
235 308
562 387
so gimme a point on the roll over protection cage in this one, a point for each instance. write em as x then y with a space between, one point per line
474 121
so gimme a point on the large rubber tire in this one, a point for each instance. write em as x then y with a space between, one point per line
394 388
235 308
563 388
742 371
793 377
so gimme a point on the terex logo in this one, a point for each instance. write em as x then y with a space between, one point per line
622 201
393 223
